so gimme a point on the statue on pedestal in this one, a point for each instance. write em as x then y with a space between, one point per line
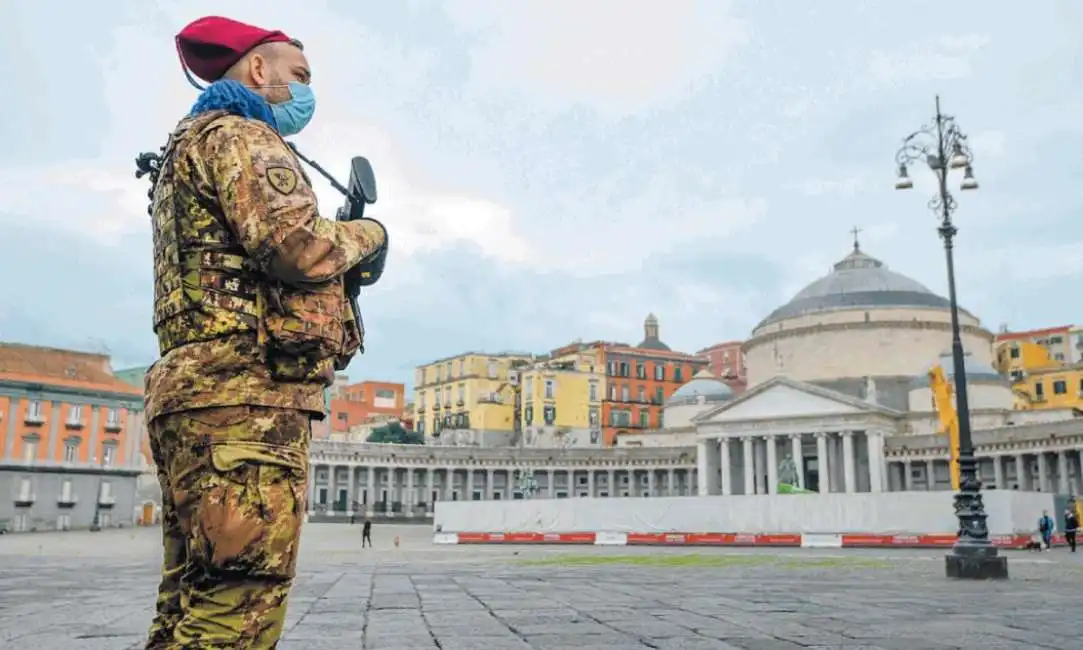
787 470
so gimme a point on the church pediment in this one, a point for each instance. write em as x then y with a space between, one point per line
782 398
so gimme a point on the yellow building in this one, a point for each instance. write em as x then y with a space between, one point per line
1039 380
467 391
563 392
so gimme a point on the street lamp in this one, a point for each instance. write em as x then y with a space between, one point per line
96 525
943 147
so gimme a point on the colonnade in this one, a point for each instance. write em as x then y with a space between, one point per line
825 461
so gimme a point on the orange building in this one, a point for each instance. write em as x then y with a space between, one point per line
70 440
727 362
358 403
639 380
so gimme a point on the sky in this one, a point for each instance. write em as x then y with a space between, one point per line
552 170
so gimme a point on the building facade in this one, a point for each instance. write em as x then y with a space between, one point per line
1039 379
639 380
71 439
467 391
1057 341
357 403
727 362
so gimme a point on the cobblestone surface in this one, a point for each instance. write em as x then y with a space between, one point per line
78 591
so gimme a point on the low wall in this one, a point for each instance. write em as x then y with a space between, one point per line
828 520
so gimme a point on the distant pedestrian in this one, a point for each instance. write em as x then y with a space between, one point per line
1045 529
1071 526
366 533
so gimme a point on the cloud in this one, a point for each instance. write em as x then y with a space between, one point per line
946 58
616 56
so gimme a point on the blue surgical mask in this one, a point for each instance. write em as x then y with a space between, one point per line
294 115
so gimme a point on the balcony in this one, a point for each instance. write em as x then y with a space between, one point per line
25 500
107 501
34 419
68 501
113 426
74 424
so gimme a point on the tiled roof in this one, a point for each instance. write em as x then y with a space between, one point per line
68 368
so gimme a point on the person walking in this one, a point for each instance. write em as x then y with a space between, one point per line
366 533
1071 527
1045 529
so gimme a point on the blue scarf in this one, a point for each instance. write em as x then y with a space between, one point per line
234 97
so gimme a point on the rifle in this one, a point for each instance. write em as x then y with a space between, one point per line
359 192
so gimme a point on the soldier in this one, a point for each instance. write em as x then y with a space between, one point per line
252 321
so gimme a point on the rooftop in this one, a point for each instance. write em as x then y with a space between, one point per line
56 367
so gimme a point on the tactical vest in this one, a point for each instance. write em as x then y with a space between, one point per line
206 287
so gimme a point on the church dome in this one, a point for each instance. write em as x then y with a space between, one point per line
977 371
650 335
858 281
704 385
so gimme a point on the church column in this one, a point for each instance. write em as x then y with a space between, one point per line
411 492
727 466
770 442
590 483
798 454
551 477
611 483
930 474
1043 472
822 469
707 462
998 472
875 443
332 484
848 461
671 482
1062 473
908 475
429 496
750 466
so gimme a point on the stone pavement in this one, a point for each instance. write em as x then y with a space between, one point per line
82 591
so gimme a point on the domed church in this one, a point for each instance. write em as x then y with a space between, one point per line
839 398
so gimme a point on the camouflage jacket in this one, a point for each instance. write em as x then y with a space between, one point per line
249 305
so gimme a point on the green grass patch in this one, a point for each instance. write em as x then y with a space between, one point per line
697 560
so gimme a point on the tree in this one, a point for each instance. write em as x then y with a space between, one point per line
396 434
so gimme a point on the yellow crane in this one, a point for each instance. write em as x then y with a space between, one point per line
949 418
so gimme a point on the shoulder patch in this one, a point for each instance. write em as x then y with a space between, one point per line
283 179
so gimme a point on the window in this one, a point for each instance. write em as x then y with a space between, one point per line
109 453
421 400
1015 352
644 418
112 418
439 374
492 370
620 418
659 372
550 387
624 396
26 490
447 367
447 396
593 416
106 494
641 370
420 426
528 388
642 394
550 414
1060 387
611 368
593 392
33 411
65 491
677 374
462 367
528 414
436 398
1039 390
659 395
661 420
725 356
623 369
71 451
462 393
1017 375
30 449
613 392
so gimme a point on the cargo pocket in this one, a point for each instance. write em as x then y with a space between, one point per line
249 510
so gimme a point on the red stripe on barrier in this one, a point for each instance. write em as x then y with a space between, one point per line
856 540
526 538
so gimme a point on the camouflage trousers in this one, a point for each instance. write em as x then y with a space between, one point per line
234 483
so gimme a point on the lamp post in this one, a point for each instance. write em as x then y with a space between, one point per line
96 525
943 147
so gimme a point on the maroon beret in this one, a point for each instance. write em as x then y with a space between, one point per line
211 45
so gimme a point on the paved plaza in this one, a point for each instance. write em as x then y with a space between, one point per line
83 591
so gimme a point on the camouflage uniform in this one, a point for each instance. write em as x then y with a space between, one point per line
252 321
